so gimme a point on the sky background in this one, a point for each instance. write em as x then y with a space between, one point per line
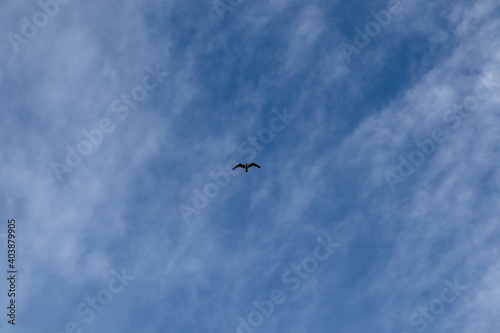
403 236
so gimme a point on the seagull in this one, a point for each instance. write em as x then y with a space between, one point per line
246 166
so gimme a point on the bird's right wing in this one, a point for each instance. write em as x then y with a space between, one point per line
254 164
238 166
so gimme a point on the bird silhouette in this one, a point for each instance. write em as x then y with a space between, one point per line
246 166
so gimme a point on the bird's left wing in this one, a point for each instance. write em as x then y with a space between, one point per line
254 164
239 165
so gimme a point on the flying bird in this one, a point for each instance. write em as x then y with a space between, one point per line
246 166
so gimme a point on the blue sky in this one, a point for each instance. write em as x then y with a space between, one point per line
375 123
